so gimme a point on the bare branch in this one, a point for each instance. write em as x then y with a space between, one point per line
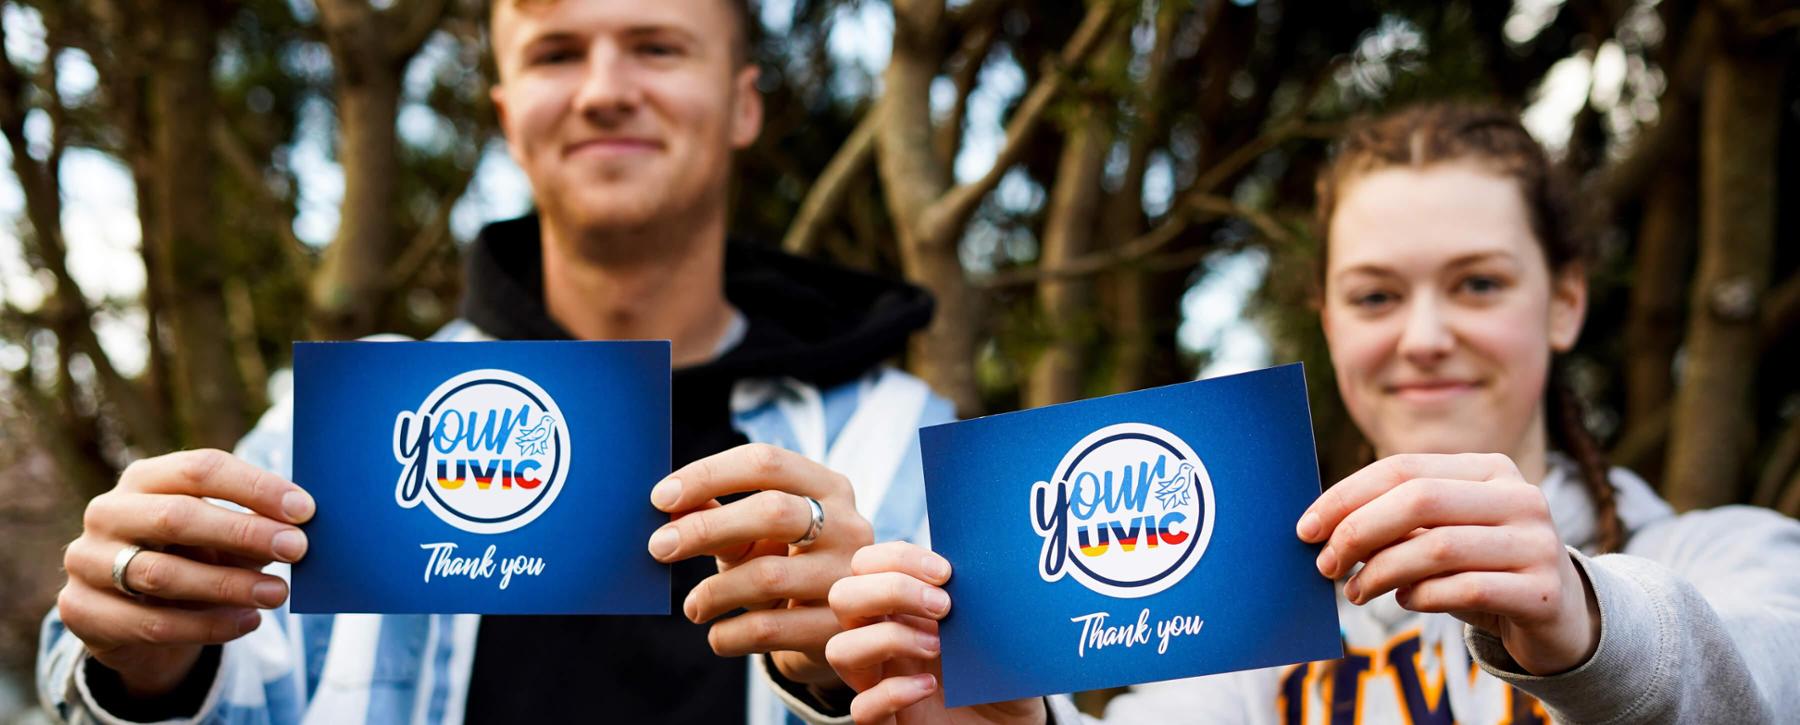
829 190
412 23
965 70
958 203
237 156
432 239
1195 209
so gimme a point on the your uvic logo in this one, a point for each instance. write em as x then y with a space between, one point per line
487 452
1127 513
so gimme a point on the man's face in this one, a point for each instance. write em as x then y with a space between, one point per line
623 113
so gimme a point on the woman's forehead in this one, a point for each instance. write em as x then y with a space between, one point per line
1429 216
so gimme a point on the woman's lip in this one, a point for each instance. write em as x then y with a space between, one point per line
1435 390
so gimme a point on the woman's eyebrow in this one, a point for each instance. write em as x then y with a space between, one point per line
1366 268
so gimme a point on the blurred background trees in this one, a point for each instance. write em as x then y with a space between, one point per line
1102 195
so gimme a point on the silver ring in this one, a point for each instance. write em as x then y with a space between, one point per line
817 525
120 561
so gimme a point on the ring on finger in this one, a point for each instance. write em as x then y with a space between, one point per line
815 527
121 561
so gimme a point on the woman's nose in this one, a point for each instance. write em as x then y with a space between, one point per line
1427 337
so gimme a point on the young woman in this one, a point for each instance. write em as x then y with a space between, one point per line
1491 568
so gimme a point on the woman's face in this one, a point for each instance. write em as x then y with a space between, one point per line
1441 311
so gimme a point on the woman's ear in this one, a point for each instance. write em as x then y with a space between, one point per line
1568 306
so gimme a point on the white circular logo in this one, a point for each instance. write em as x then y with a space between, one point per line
1127 513
488 452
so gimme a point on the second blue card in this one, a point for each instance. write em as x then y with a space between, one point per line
481 477
1127 539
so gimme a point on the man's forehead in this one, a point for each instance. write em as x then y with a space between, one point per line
507 16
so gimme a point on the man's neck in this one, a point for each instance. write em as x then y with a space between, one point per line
678 296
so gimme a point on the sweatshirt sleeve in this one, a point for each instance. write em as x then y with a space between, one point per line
1699 621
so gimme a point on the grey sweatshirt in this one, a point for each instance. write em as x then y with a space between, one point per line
1699 622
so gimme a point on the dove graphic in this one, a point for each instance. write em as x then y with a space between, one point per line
535 440
1174 491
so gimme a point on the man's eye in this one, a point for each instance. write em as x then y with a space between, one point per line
554 57
659 50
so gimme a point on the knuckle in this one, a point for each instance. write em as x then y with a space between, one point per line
1349 536
94 517
69 605
769 574
764 632
168 518
1440 549
154 629
152 575
226 588
132 472
201 464
1424 502
245 533
765 459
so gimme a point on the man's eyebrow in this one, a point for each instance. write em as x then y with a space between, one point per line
659 29
1479 257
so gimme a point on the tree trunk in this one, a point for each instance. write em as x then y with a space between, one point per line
1067 302
209 400
1665 248
1713 424
350 288
912 180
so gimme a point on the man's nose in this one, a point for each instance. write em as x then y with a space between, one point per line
609 90
1427 338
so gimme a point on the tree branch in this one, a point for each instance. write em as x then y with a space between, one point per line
959 202
431 239
411 23
966 69
828 191
237 155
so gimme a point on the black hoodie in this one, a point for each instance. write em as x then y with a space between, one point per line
817 323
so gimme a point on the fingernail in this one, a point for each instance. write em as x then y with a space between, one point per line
298 505
664 541
268 595
289 545
1328 562
665 494
936 601
1352 589
1309 526
927 641
247 621
936 567
922 683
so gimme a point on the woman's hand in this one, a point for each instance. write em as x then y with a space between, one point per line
889 652
1463 534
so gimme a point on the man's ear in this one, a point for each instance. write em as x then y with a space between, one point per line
497 94
1568 306
747 110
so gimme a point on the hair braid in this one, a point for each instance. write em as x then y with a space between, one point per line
1569 434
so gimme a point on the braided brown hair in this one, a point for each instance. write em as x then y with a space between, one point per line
1433 133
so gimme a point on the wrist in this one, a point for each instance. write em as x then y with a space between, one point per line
1571 640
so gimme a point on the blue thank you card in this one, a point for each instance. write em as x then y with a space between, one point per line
1133 538
481 477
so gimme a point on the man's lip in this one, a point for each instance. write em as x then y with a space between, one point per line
612 144
1431 388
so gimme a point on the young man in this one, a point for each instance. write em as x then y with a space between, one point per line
625 115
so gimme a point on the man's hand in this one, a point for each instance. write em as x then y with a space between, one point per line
1463 534
784 586
198 577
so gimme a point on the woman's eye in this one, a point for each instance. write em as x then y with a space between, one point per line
1372 300
1481 284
